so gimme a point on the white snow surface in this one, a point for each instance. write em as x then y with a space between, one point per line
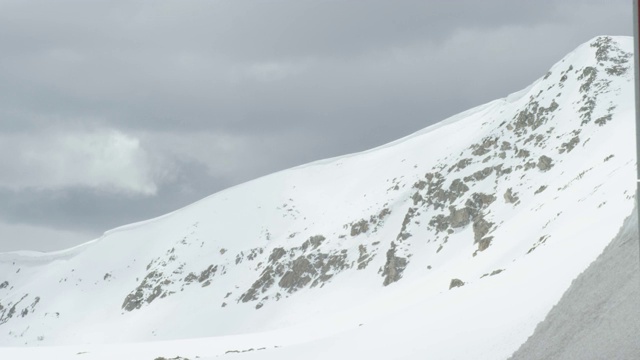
353 257
598 317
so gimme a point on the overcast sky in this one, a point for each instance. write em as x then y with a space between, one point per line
113 112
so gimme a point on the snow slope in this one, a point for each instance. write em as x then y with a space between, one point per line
451 243
598 317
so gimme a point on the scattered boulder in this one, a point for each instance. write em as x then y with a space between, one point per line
510 197
359 227
522 153
529 165
455 283
568 146
603 120
544 163
494 272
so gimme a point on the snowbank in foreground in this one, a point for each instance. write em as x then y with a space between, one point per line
599 316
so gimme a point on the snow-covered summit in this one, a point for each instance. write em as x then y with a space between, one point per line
451 243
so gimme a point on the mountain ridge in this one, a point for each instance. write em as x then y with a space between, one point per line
470 208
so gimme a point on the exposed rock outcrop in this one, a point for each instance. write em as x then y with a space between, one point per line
394 266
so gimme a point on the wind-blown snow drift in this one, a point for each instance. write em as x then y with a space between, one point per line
451 243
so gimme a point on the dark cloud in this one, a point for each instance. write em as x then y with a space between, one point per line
254 30
93 211
162 65
219 92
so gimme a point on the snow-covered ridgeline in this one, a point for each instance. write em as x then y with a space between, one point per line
454 241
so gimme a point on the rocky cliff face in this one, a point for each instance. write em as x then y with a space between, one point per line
510 186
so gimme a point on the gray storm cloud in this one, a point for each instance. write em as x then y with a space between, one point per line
116 111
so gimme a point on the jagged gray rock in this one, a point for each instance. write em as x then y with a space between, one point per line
481 227
394 266
459 217
510 197
544 163
455 283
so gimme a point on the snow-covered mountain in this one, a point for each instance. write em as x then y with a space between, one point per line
451 243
